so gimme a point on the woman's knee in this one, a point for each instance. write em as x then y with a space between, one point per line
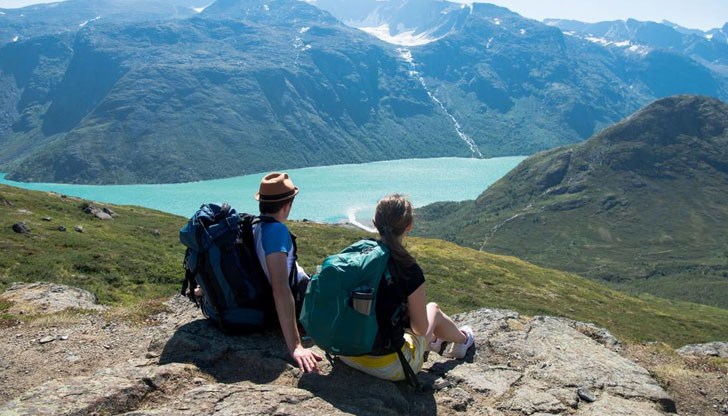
432 306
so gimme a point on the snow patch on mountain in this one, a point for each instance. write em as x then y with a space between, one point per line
201 9
626 44
408 38
83 24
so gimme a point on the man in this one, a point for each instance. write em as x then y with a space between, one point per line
277 252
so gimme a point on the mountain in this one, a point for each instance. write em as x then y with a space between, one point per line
246 86
709 48
515 85
405 22
70 16
642 205
719 35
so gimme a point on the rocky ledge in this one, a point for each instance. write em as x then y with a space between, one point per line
178 364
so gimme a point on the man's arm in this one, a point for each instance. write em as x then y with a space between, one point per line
286 309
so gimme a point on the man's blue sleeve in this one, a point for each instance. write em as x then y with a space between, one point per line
276 238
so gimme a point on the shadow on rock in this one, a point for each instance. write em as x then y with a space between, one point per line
258 357
357 393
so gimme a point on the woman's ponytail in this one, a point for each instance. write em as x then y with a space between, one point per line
393 216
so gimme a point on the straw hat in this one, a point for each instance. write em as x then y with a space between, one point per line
276 187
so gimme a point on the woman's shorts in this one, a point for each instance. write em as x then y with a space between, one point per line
388 367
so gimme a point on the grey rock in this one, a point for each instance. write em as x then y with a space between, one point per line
61 228
47 298
21 228
586 395
547 355
533 398
711 349
618 406
191 368
103 216
494 382
46 339
100 213
109 391
110 212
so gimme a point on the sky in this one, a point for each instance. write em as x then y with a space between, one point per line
695 14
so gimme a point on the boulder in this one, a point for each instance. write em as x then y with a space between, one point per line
47 298
711 349
21 228
100 213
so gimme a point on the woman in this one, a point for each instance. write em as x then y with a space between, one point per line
428 326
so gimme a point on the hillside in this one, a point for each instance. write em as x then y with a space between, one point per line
642 206
136 256
70 16
244 86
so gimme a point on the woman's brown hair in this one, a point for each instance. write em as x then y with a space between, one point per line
393 216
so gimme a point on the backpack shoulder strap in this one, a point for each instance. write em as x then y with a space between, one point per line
409 373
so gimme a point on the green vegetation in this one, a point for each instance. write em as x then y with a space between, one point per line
135 260
243 87
642 206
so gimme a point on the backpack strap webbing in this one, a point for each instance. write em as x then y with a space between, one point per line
409 374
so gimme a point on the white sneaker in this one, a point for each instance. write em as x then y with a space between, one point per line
459 351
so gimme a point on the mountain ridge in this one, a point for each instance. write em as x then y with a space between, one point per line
247 85
638 205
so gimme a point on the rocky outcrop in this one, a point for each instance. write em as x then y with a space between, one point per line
34 298
181 365
711 349
100 213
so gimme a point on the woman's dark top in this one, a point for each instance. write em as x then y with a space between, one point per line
390 297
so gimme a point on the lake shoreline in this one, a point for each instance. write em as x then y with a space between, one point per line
329 194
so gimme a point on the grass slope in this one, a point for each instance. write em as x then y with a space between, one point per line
642 206
136 256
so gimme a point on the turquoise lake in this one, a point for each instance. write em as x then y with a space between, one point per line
328 194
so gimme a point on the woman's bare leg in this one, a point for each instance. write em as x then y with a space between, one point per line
440 326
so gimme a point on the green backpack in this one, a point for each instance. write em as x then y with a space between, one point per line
339 307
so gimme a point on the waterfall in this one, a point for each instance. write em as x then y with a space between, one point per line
406 56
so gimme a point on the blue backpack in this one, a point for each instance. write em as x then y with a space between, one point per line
221 259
